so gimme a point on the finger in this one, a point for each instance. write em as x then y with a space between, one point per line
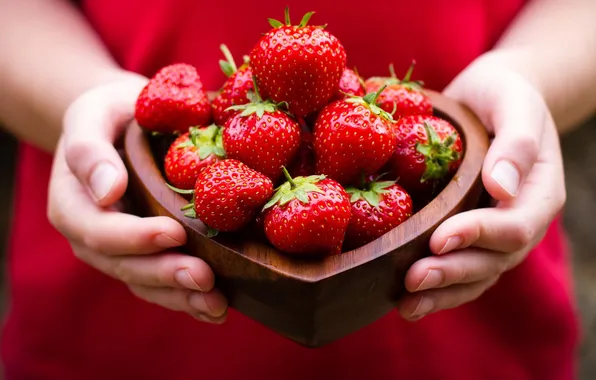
91 125
166 269
463 267
517 224
209 307
415 306
108 232
518 121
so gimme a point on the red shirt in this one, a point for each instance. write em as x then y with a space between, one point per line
68 321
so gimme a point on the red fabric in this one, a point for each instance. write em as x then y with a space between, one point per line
68 321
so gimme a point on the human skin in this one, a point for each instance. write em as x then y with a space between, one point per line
75 101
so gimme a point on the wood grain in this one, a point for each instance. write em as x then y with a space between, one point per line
314 302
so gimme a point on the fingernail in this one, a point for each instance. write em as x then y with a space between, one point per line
206 318
184 278
102 180
166 241
452 243
433 278
197 301
507 176
424 307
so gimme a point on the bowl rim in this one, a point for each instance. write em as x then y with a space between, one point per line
138 155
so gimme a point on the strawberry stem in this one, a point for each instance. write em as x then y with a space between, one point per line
409 72
288 177
256 88
287 16
371 98
392 71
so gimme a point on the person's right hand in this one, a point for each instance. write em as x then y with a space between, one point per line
87 181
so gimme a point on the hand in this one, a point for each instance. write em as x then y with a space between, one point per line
523 172
88 179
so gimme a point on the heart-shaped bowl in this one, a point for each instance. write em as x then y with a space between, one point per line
313 302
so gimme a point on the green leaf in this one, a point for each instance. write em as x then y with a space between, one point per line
286 197
211 232
229 63
305 19
205 151
186 144
219 151
382 185
191 214
274 23
301 195
311 188
356 195
273 199
227 68
179 191
433 138
371 197
370 97
187 206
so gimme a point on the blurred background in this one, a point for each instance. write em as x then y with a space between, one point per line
579 151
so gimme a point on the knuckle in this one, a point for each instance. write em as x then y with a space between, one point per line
521 235
122 272
529 145
75 151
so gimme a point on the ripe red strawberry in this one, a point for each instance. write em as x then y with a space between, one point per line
307 216
350 83
299 64
192 152
262 136
173 100
353 137
303 164
428 153
401 97
234 90
377 208
228 195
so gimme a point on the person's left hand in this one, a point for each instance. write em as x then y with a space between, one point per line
523 172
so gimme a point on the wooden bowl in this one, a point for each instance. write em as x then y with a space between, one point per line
315 303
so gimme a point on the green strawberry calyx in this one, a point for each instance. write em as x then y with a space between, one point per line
208 140
305 19
370 100
406 82
295 188
438 154
190 208
372 192
257 105
228 65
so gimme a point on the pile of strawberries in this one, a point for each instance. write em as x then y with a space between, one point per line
296 143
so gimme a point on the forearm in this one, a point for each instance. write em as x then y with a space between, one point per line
553 44
49 56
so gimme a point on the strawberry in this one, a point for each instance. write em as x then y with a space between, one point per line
234 90
428 152
173 100
350 83
353 137
401 97
192 152
377 208
262 136
299 64
307 216
304 162
228 195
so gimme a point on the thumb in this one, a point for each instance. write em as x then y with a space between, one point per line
92 124
518 118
